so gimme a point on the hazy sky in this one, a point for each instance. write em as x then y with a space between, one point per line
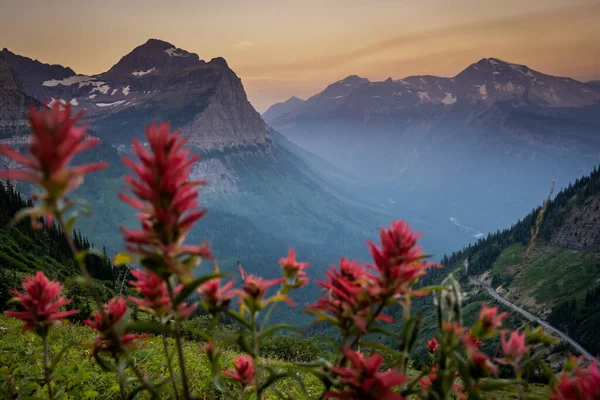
282 48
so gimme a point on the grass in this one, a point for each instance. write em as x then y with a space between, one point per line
81 378
550 274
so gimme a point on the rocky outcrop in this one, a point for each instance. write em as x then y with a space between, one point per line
229 120
581 227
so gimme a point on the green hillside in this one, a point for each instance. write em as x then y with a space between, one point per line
558 271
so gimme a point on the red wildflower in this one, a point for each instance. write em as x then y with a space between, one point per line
363 380
244 370
433 345
216 297
156 299
490 319
514 348
290 266
42 301
468 339
168 202
114 311
453 328
254 290
54 142
583 385
293 271
351 293
480 363
399 261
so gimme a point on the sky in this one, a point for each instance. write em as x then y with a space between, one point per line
281 48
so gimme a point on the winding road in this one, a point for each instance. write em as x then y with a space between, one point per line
532 317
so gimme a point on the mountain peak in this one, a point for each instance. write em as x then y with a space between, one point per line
154 56
157 43
353 79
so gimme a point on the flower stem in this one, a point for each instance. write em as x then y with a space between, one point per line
98 299
47 367
256 356
170 366
184 378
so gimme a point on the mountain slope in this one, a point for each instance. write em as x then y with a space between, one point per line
562 268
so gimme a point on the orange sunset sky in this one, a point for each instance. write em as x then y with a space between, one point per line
284 48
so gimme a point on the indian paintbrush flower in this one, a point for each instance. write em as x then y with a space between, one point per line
243 370
155 296
363 379
433 345
168 204
42 301
110 322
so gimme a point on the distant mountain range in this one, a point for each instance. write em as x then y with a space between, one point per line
484 146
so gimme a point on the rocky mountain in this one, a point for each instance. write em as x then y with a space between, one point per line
484 83
322 104
279 109
33 72
155 81
597 83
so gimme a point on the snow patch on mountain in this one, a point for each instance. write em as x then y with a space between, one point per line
67 81
172 52
74 102
126 90
115 103
482 90
142 73
448 100
424 96
99 87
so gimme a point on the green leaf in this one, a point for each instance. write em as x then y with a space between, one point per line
190 287
242 341
272 329
148 327
238 318
122 259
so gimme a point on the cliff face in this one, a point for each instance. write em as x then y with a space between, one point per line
229 120
13 103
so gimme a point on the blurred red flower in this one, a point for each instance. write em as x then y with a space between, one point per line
42 300
243 371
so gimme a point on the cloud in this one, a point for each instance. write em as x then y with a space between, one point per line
526 28
244 44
